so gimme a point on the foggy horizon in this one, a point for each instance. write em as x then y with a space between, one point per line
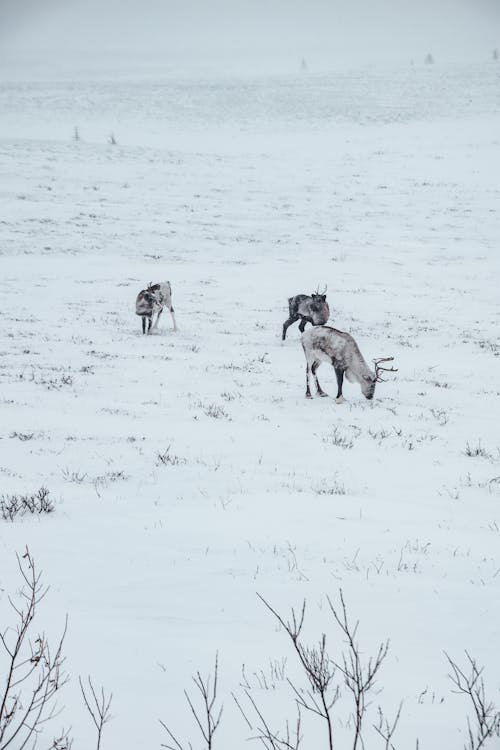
239 35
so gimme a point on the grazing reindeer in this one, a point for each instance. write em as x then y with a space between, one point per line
310 309
326 344
151 301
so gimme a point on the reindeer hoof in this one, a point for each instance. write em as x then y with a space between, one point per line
340 400
308 395
323 394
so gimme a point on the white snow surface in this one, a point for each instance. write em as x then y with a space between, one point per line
382 184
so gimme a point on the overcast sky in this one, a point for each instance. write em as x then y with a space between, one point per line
264 32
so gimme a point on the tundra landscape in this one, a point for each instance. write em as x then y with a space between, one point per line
188 477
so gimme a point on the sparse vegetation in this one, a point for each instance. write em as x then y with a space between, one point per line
216 412
36 503
169 459
330 488
342 438
476 450
22 436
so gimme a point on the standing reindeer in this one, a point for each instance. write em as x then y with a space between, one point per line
326 344
151 301
310 309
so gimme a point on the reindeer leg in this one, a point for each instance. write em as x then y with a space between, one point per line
308 390
340 379
292 319
150 320
143 323
173 318
302 325
319 390
157 318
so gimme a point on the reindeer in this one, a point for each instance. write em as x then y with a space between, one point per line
310 309
151 301
326 344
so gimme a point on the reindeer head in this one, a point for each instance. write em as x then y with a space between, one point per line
320 312
370 379
318 296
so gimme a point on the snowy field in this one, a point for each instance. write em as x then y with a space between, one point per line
187 470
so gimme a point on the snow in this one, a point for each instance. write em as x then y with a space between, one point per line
383 185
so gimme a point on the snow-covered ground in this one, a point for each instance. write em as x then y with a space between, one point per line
187 469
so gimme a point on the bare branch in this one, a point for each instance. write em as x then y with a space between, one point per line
317 665
271 740
34 673
97 706
386 730
359 679
208 718
486 716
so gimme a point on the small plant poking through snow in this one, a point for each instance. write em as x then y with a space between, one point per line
332 488
169 459
23 436
19 505
476 450
340 438
216 412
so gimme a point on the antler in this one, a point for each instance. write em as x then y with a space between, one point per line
323 292
379 369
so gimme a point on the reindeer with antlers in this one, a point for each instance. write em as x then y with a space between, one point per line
151 301
326 344
309 308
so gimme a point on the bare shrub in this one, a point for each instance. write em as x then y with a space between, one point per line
97 706
486 717
208 717
359 678
269 738
34 671
19 505
386 729
319 669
